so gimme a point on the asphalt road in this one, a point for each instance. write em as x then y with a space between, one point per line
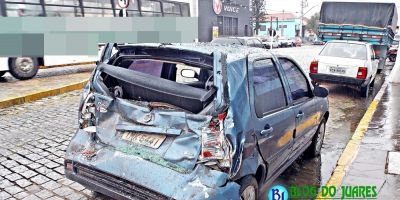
33 138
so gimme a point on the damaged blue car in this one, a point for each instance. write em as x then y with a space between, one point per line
193 121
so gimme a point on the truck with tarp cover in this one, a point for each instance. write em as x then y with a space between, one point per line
371 22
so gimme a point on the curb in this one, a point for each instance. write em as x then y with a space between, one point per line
351 150
68 64
42 94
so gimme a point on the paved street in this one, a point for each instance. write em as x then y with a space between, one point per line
34 137
32 143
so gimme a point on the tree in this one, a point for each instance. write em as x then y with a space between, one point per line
312 23
258 13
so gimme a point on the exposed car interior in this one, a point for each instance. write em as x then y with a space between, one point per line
154 80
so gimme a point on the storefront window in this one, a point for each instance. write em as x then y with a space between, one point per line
133 9
220 21
151 8
227 25
62 8
235 26
171 9
185 10
98 8
16 8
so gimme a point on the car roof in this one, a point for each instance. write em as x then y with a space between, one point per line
234 52
348 41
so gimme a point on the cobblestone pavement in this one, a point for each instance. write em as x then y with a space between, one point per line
33 139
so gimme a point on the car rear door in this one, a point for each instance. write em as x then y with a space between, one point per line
303 104
274 120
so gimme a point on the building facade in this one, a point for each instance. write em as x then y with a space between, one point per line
286 25
98 8
223 18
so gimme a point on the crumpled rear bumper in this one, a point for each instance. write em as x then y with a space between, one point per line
124 176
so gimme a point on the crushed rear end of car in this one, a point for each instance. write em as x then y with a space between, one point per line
145 134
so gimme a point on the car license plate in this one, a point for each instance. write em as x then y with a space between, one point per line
146 139
337 70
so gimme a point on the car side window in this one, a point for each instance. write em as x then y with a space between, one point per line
298 83
250 43
269 94
257 43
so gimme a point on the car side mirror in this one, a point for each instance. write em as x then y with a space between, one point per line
321 91
189 73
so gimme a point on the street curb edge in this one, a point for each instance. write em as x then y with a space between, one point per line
351 150
42 94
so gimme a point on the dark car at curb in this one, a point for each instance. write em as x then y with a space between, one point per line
245 41
193 121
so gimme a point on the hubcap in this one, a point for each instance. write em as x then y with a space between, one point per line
249 193
24 64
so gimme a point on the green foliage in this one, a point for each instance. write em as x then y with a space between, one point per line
258 13
312 23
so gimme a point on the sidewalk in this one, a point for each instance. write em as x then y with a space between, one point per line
372 165
17 92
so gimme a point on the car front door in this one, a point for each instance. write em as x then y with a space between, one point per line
302 103
274 120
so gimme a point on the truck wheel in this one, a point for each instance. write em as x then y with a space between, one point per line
364 90
24 67
248 188
2 73
315 148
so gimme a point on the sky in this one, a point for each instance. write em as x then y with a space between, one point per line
274 6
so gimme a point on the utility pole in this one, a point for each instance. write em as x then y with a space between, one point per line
303 5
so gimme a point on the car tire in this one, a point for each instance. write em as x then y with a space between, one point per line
248 188
2 73
314 149
392 58
24 67
364 91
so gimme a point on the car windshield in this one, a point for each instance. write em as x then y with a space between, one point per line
395 42
345 50
228 41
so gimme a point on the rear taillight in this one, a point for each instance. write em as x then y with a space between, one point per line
214 146
87 113
314 67
362 73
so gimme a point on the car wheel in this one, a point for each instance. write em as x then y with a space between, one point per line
2 73
24 67
315 148
248 188
364 91
392 58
